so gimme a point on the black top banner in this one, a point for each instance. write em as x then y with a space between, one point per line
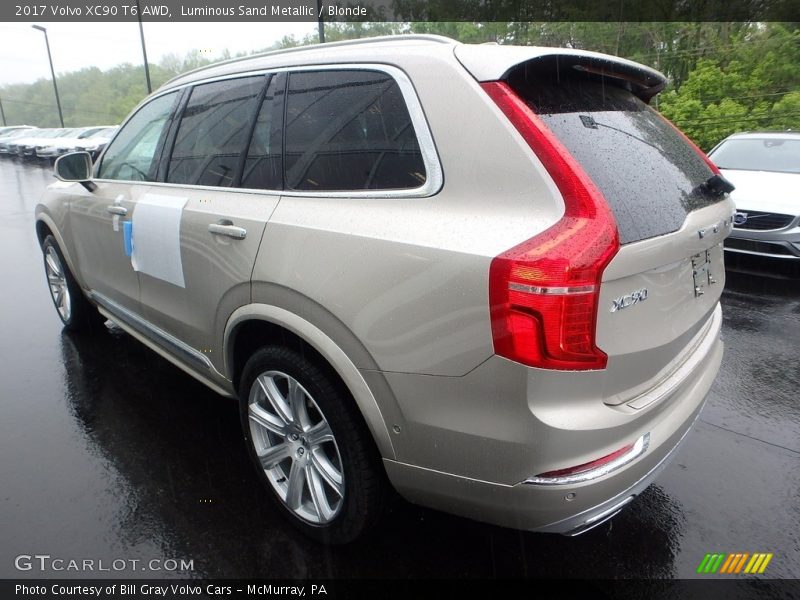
399 10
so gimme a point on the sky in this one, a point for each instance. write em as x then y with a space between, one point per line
23 55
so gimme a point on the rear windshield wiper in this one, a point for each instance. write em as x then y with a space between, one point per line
717 185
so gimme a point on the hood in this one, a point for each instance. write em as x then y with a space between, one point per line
31 141
64 141
765 191
94 141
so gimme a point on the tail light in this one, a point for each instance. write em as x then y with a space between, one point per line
543 293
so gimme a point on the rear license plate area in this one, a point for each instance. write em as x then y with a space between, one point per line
701 273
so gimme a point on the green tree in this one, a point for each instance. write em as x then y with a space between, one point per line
722 77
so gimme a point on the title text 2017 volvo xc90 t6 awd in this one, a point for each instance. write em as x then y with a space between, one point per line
487 276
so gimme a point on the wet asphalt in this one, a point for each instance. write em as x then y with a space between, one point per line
107 451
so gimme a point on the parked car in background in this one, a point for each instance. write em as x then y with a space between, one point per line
6 130
765 168
95 143
486 275
9 138
69 133
24 146
55 147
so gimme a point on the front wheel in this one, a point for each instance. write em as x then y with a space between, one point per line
310 446
74 310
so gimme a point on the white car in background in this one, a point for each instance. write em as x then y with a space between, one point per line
55 147
8 129
12 137
24 146
765 168
95 143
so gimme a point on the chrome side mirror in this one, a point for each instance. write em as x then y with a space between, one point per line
75 167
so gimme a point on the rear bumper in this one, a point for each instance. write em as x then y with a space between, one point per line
597 515
783 250
567 510
516 448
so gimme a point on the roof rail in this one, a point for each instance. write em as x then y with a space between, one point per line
424 37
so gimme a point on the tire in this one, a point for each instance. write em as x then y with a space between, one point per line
72 307
318 460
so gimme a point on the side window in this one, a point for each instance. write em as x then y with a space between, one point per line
349 130
213 132
263 168
131 156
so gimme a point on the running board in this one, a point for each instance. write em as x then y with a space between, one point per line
180 353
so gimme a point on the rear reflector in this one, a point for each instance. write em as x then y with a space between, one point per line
543 293
595 468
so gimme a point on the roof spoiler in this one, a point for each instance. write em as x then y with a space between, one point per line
493 63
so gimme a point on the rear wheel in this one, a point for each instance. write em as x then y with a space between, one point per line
309 445
74 310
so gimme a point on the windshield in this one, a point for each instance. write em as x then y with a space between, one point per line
107 132
758 154
20 133
50 133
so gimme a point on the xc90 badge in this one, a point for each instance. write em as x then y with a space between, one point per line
628 300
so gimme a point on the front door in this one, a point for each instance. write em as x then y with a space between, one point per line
226 141
97 219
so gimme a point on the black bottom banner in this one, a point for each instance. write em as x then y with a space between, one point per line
136 589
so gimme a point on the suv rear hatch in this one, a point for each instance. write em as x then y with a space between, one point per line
659 273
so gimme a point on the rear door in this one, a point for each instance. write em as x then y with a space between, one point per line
199 272
659 292
665 281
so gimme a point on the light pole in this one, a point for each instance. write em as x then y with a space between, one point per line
2 112
52 71
144 50
320 24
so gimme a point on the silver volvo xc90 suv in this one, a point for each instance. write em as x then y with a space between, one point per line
485 276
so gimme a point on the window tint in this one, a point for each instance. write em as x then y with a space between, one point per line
131 156
263 168
349 130
213 131
650 177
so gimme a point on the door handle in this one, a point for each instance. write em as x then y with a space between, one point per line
227 229
115 209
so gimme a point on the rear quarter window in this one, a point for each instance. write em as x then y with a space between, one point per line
349 130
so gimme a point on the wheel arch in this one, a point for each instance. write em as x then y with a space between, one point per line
254 325
46 226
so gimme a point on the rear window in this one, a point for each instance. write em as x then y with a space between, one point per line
213 132
645 170
759 154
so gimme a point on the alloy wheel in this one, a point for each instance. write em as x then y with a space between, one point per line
296 447
57 281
